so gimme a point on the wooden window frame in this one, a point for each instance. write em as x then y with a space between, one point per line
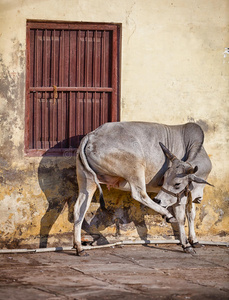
114 89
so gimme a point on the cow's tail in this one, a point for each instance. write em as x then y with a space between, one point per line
84 161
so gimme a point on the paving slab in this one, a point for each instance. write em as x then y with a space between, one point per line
129 272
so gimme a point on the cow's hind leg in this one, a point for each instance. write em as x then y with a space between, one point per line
138 192
87 187
179 211
191 227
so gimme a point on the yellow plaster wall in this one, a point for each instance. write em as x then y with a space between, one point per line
174 69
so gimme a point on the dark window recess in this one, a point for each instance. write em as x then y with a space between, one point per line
72 84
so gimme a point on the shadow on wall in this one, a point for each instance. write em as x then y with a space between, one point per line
57 179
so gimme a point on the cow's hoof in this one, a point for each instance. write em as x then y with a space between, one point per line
196 245
197 200
171 220
81 253
189 250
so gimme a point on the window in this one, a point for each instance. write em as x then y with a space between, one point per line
72 83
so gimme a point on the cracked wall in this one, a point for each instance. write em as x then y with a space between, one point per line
174 69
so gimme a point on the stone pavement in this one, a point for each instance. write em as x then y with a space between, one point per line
129 272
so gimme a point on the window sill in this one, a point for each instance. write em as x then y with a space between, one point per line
64 152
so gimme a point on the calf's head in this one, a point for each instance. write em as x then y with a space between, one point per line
177 180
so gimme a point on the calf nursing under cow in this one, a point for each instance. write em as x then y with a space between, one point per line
145 157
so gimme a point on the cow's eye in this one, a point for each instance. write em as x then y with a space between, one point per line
177 185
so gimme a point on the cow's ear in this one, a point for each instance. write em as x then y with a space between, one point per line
196 179
195 169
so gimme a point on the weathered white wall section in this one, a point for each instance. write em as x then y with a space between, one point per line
174 69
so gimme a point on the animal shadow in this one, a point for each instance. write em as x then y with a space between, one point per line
57 179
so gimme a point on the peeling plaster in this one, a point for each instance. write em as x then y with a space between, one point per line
8 206
12 90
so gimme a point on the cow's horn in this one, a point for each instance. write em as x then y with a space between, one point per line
169 154
191 170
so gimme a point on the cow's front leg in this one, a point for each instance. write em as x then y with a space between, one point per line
179 211
191 227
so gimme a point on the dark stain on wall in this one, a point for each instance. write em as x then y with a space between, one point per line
206 126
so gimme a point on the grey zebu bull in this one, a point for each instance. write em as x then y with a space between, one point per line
129 156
